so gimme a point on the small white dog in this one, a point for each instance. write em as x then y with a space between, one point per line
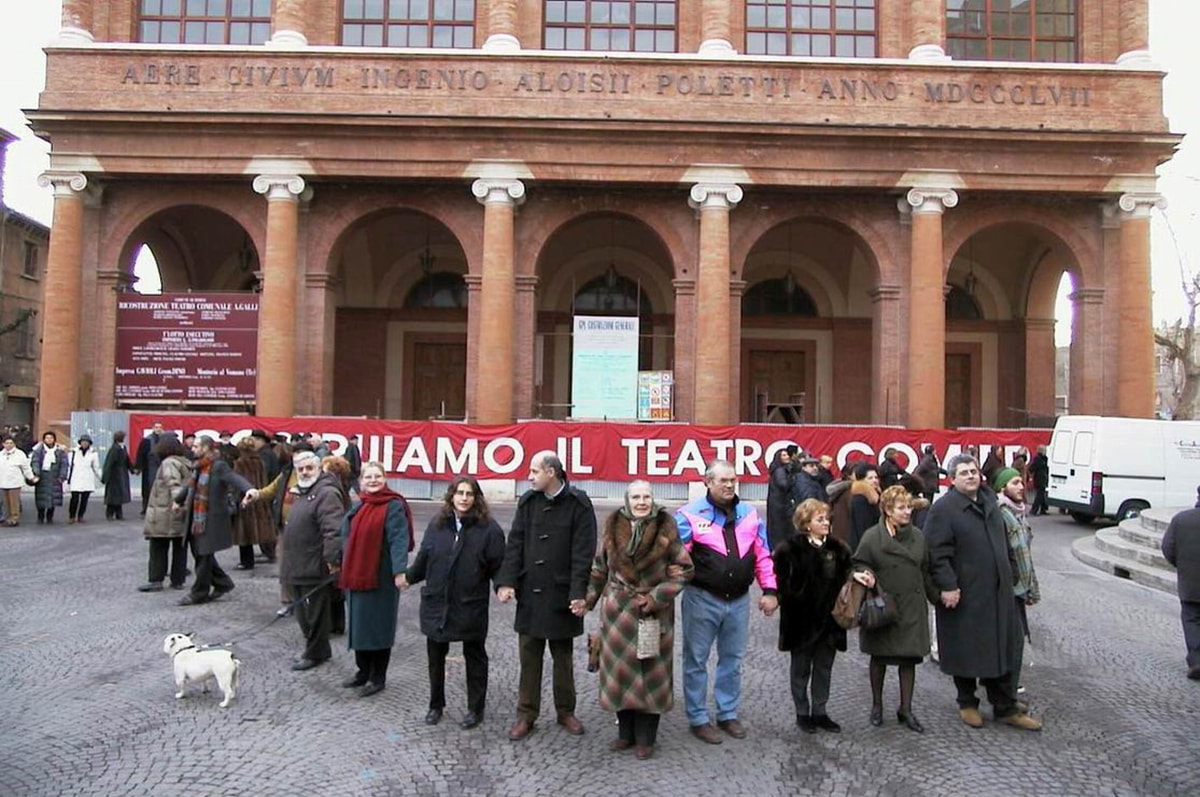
199 666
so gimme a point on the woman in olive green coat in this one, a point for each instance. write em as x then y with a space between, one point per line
893 550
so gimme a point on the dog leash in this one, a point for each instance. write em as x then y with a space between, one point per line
284 611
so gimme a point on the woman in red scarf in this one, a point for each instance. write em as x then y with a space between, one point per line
374 558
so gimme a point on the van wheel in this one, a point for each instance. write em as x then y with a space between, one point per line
1082 518
1132 509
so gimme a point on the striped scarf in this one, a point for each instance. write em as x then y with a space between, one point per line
199 488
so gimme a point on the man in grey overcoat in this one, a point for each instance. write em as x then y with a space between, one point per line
1181 547
979 635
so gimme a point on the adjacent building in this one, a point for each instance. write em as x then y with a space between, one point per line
841 211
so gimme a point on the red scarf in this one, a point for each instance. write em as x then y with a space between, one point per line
360 564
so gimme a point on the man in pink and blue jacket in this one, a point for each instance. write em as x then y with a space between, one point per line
728 543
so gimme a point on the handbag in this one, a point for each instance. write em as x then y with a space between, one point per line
849 600
878 610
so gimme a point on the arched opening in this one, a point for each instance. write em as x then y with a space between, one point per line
601 264
147 279
191 247
401 319
805 308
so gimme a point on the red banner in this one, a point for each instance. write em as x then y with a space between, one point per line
187 347
436 450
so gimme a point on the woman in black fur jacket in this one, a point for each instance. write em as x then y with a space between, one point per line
810 568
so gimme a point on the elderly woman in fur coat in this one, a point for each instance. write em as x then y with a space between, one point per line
811 567
642 566
254 524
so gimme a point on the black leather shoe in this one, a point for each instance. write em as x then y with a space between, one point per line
823 722
219 591
306 664
806 723
433 717
909 720
192 600
358 679
371 688
153 586
240 566
471 720
876 715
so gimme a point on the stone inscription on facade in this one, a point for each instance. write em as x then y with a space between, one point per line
794 85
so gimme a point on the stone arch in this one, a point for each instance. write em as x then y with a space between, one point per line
198 245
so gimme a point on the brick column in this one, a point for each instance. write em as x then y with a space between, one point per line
58 384
886 355
1039 378
1135 340
715 31
288 24
275 389
109 285
526 331
1085 396
497 304
77 21
502 27
683 361
474 284
713 312
926 377
927 27
320 314
1134 35
737 289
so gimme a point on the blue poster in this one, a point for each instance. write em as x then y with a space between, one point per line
604 367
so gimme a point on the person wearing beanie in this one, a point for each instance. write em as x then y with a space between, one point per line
1010 495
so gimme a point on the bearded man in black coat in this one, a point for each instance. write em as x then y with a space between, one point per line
547 562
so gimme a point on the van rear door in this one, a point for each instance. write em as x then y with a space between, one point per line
1072 453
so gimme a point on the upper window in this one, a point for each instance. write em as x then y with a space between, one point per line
644 26
1012 30
205 21
29 266
408 23
844 28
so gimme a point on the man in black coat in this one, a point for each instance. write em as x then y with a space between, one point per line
806 484
1039 472
547 561
889 469
146 462
979 636
1181 547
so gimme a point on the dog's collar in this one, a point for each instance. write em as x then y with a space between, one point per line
181 650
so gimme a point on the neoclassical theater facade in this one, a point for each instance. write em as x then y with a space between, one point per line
861 209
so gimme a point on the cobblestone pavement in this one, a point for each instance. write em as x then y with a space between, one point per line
88 704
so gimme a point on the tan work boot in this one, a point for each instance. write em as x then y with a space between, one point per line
1022 721
971 717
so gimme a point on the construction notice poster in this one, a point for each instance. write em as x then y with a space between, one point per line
604 367
197 348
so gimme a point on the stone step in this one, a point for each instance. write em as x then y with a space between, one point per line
1110 541
1158 518
1086 551
1137 532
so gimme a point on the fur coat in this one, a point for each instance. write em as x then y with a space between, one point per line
809 579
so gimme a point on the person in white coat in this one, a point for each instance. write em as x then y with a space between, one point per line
84 478
14 473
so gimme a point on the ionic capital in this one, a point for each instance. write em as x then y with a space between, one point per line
279 186
931 200
1138 205
64 183
715 195
493 191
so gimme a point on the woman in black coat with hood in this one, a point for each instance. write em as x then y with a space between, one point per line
810 568
462 551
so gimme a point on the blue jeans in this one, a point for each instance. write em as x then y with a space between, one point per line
707 618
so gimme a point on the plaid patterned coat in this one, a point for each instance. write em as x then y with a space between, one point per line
627 683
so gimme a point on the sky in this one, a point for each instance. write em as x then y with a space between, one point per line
30 24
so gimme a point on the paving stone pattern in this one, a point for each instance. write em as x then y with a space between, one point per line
88 706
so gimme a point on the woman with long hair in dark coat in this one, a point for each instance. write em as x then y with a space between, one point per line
115 475
461 552
810 568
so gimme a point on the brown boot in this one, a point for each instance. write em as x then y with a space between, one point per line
520 729
570 723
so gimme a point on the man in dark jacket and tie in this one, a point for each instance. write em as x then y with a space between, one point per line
547 561
1181 547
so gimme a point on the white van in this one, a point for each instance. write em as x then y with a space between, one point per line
1116 467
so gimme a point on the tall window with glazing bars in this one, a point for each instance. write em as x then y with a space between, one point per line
1012 30
644 26
408 23
204 21
843 28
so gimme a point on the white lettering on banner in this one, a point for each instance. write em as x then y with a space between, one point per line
906 451
415 455
722 447
776 447
467 460
337 443
657 456
690 458
570 452
513 445
843 454
748 452
631 446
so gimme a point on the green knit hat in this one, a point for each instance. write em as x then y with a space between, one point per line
1003 477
